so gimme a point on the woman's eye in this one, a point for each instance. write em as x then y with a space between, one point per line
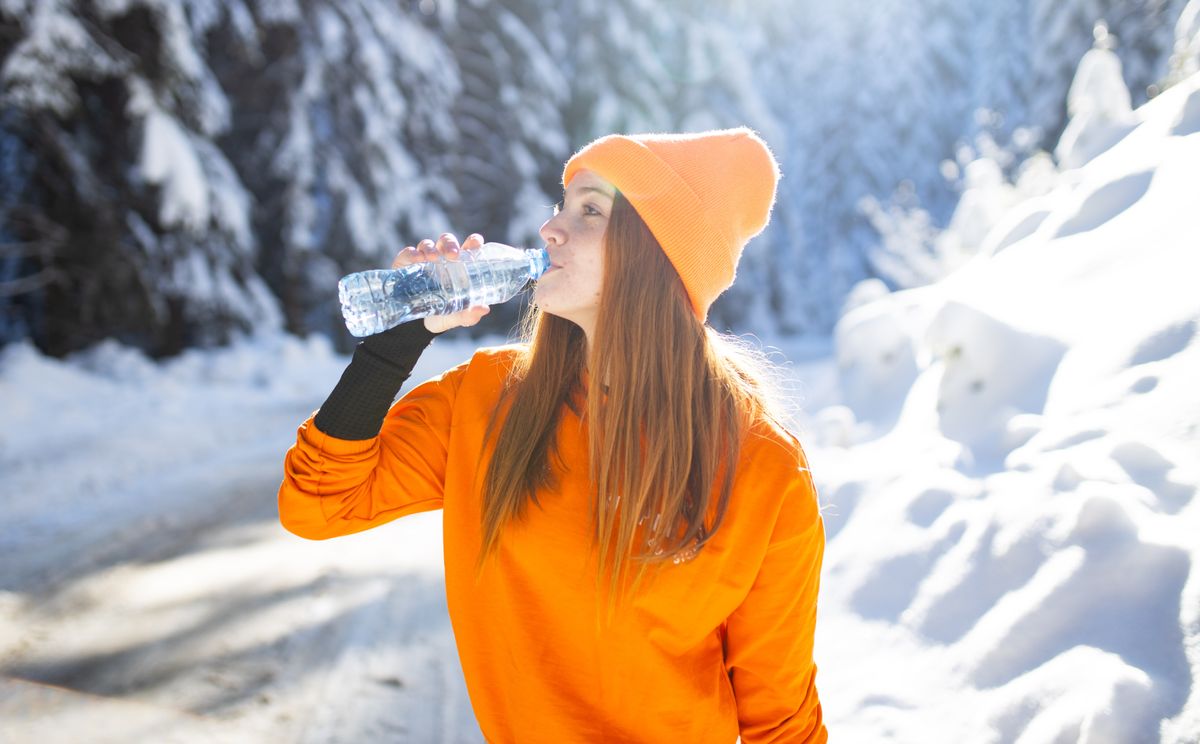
588 209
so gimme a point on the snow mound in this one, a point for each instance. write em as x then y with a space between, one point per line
1011 469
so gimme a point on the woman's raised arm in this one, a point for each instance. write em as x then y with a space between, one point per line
360 461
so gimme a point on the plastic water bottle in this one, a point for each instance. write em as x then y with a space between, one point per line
374 301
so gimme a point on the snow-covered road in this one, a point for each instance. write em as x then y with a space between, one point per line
147 586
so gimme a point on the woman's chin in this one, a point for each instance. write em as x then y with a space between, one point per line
552 308
543 297
549 308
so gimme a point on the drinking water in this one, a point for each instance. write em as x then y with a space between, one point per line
376 300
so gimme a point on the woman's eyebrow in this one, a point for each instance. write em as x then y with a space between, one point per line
584 189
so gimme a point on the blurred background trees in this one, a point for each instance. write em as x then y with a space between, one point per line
175 172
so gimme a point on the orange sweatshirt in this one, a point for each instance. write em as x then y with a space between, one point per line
710 649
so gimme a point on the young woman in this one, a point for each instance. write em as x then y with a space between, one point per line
632 540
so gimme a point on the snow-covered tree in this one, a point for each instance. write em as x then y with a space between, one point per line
1061 31
133 221
1099 106
342 131
1144 32
508 117
1185 55
1002 79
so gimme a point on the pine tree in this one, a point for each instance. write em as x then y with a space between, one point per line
508 120
716 82
733 74
22 270
1062 32
1002 84
1145 37
1185 59
342 127
950 68
133 220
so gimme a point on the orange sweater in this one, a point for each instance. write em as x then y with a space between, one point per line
712 648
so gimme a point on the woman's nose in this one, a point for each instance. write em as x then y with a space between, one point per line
550 232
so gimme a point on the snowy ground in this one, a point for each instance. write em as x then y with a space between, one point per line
144 562
1014 523
1009 461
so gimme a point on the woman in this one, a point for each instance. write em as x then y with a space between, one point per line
634 560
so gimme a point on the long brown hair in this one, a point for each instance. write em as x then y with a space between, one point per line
667 407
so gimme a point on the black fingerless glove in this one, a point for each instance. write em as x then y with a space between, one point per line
381 363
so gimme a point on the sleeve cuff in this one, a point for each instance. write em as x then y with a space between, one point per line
356 408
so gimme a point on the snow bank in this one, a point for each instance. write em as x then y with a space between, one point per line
1020 504
147 590
87 440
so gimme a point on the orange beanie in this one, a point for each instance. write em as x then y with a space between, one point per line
703 196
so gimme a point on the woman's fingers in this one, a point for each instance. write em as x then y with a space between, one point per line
445 247
468 317
410 255
471 315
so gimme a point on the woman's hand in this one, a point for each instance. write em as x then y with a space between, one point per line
446 247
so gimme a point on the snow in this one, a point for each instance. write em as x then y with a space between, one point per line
1007 460
986 196
1187 40
1017 522
203 94
29 77
146 578
168 159
387 69
198 182
1099 106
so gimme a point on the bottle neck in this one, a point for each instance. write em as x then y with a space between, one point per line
539 261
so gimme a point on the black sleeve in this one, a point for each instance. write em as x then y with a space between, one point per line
380 365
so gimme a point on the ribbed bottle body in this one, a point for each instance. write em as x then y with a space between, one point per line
374 301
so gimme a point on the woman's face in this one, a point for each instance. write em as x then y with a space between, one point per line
575 239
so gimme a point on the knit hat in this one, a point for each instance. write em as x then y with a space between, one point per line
703 196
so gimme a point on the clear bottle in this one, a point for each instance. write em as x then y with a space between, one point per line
376 300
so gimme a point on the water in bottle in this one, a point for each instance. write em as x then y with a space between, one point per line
374 301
